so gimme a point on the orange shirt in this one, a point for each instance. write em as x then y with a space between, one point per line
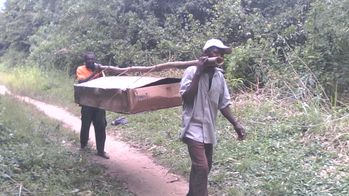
82 72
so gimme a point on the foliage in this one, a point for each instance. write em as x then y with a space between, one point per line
54 35
250 63
327 51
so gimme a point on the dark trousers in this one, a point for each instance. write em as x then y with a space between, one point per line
201 159
97 117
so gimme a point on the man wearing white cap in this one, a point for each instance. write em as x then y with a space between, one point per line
204 92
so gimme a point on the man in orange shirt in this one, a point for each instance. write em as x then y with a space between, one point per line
89 71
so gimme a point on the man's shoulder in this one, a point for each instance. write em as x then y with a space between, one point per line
82 69
191 69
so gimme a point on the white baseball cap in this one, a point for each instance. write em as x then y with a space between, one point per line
217 43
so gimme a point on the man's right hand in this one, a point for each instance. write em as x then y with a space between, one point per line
201 65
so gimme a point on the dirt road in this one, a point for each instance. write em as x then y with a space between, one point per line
142 176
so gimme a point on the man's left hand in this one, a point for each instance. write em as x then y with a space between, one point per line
98 67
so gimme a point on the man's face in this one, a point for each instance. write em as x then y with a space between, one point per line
90 60
215 52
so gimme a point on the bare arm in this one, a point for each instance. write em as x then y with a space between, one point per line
238 128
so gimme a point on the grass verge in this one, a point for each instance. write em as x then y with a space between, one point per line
36 157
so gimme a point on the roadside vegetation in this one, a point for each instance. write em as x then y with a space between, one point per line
294 146
288 77
39 157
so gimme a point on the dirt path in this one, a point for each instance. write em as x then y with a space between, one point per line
142 176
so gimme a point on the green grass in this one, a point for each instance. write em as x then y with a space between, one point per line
38 157
285 153
294 147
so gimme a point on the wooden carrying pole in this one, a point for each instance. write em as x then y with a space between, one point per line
160 67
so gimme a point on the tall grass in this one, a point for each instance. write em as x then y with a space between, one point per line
52 86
